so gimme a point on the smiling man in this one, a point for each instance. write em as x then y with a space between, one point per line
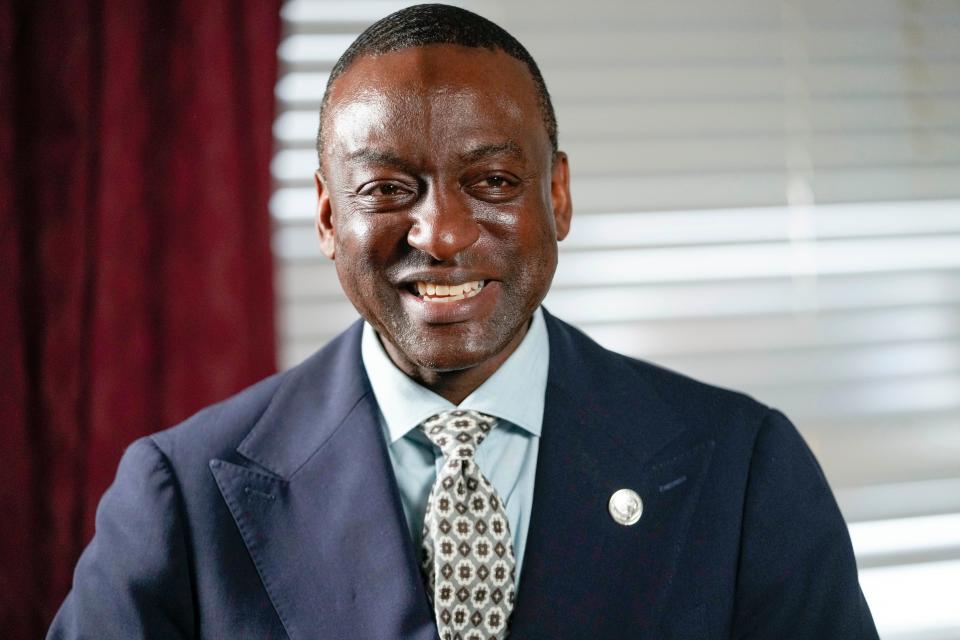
460 463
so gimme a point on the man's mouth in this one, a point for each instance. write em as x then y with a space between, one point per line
433 292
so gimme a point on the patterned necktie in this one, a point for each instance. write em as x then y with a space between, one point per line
468 556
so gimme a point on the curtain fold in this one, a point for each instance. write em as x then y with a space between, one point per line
135 141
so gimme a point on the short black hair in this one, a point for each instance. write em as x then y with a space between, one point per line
425 24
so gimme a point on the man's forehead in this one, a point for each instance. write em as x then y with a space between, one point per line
435 87
434 66
378 111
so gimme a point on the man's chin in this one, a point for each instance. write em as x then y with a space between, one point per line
419 345
448 357
450 348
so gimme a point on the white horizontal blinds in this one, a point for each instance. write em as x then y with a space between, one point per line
767 196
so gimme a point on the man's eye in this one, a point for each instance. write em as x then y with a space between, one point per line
383 190
495 184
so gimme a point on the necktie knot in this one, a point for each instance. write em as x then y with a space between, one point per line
458 433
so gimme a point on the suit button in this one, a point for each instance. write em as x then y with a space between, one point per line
626 507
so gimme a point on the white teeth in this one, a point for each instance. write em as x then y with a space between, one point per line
448 292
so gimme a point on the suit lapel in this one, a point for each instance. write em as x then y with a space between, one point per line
603 430
320 512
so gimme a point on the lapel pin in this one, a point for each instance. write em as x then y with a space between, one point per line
625 507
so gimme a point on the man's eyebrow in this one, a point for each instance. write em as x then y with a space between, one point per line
508 148
367 155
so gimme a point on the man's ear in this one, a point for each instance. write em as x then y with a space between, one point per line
324 218
560 194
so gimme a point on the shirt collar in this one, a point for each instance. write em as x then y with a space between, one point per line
515 392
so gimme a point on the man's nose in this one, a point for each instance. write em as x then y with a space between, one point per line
443 225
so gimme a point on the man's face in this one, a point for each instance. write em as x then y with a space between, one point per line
438 173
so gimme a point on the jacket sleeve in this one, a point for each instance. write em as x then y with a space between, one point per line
797 576
133 580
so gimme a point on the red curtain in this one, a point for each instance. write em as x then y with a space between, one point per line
136 270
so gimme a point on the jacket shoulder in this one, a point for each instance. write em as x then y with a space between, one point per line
217 430
674 397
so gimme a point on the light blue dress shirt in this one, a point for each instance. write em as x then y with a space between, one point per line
508 455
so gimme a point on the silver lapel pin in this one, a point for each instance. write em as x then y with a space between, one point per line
625 507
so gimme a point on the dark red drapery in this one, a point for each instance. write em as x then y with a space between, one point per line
136 271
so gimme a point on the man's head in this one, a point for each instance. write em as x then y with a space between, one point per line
439 168
425 24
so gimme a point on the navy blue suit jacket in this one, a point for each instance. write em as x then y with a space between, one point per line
275 514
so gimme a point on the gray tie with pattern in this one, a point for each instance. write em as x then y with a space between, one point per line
468 556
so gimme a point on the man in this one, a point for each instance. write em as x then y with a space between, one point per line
463 463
